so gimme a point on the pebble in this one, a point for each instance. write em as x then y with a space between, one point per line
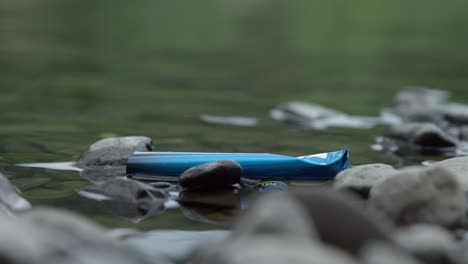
216 174
114 151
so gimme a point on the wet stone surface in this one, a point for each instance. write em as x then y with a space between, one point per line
216 174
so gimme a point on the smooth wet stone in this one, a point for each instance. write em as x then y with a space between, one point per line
431 196
316 116
219 198
9 196
382 253
216 174
114 151
458 167
173 244
274 230
423 134
126 198
54 236
429 243
362 178
341 219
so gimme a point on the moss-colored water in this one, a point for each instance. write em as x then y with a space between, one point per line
73 72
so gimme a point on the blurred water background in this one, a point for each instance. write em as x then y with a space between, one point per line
73 72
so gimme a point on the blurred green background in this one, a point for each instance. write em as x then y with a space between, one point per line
73 72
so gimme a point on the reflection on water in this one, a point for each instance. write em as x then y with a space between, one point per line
73 71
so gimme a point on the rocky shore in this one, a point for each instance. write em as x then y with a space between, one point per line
370 214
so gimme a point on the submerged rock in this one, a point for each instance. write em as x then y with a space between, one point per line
129 199
9 196
103 173
429 243
114 151
216 174
362 178
431 196
315 116
56 237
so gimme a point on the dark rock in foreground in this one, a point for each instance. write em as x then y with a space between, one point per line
114 151
274 230
57 237
362 178
341 219
9 196
432 196
216 174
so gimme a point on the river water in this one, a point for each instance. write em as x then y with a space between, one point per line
73 72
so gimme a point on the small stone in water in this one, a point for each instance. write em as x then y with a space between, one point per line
211 175
114 151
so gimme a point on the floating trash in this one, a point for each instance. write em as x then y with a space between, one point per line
254 165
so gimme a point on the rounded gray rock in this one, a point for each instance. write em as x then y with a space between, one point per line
362 178
114 151
211 175
458 167
431 196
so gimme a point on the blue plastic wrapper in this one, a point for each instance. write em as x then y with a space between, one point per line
262 166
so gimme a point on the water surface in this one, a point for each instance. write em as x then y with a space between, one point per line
73 72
